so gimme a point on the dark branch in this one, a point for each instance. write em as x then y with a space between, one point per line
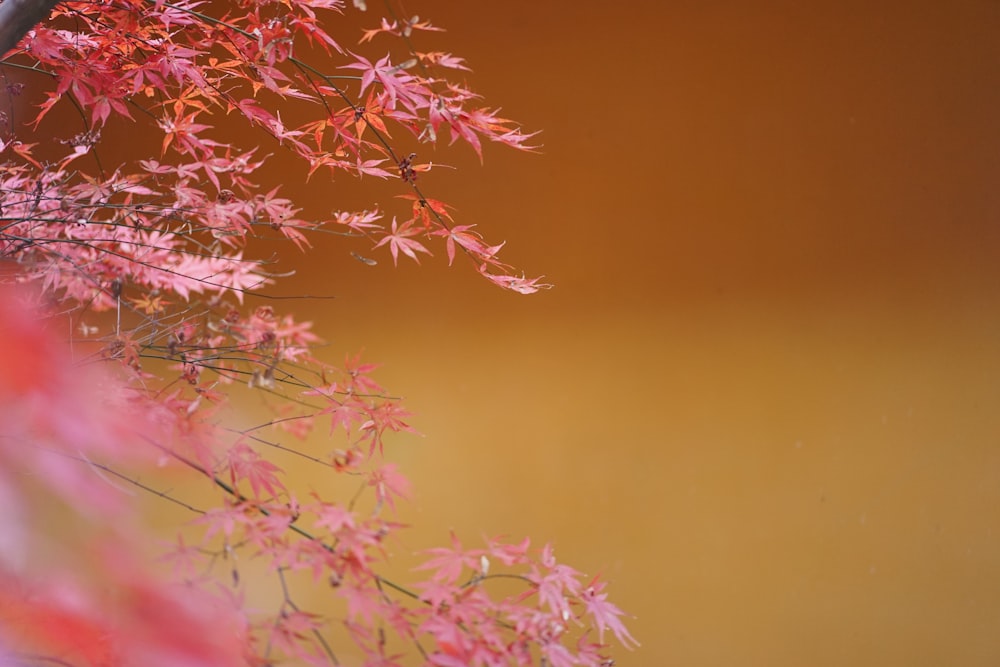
17 17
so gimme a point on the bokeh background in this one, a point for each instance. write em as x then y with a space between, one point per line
762 398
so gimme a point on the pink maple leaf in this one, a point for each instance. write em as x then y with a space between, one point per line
224 519
396 82
606 615
388 482
509 554
333 517
517 284
556 585
443 60
437 594
447 563
461 235
246 464
344 414
400 240
363 601
358 372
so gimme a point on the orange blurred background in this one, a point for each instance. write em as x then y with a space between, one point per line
763 396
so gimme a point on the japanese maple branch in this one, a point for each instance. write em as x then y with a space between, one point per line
302 65
275 445
162 494
122 476
263 510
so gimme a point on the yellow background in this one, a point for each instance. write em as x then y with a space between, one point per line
763 397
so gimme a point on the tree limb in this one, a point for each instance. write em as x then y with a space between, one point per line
17 17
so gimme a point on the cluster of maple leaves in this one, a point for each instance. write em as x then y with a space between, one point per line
160 246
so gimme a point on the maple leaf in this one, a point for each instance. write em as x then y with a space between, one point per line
389 415
557 655
398 28
292 632
436 593
556 584
362 222
443 59
372 168
150 304
461 236
423 207
401 240
361 603
518 284
448 563
345 414
391 28
606 615
245 464
225 520
333 517
509 554
369 115
389 483
358 372
184 133
397 84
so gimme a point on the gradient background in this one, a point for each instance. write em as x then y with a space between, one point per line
763 397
